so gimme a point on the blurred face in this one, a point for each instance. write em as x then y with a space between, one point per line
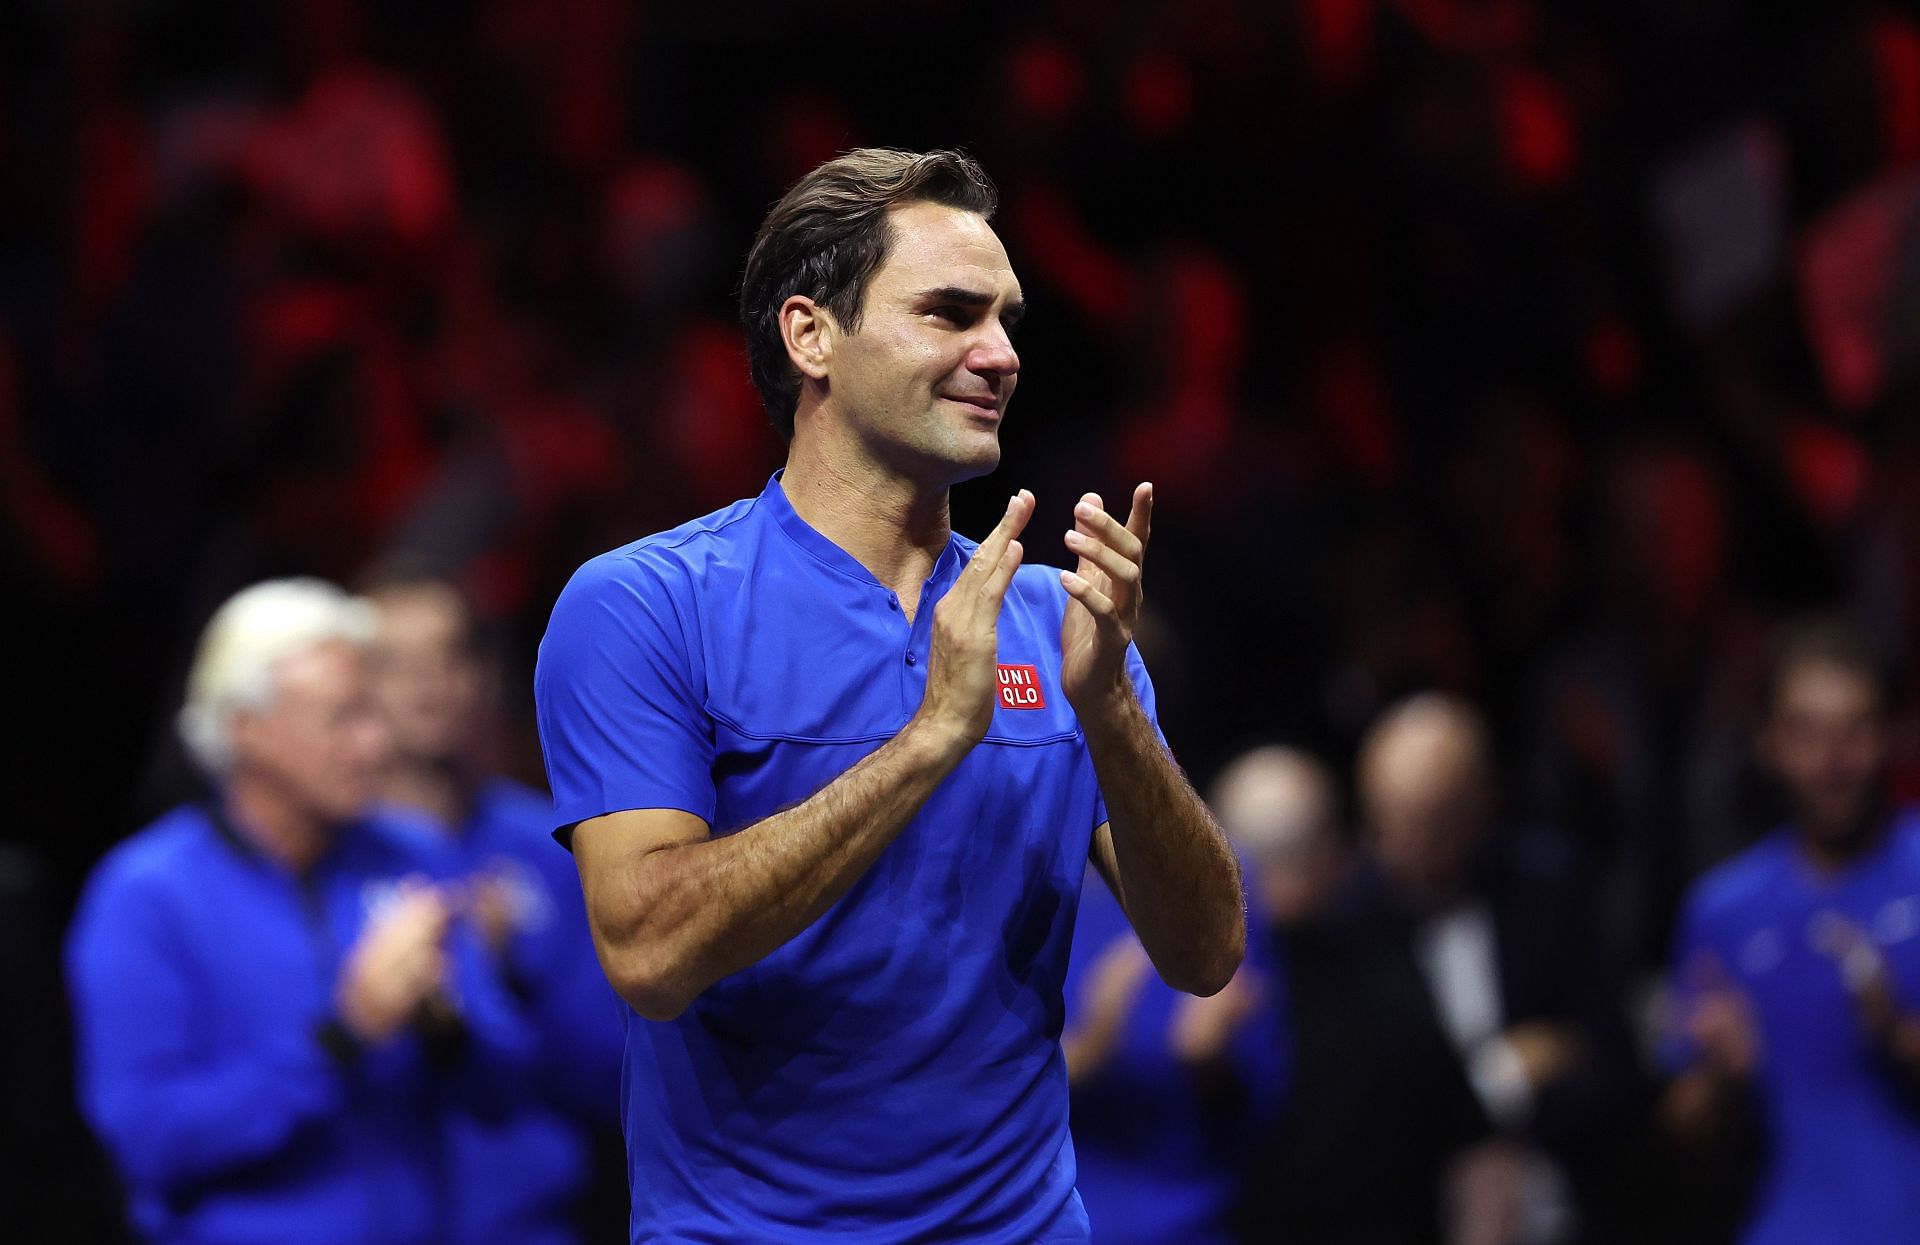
1426 810
1277 807
425 677
1827 741
321 741
926 380
1295 878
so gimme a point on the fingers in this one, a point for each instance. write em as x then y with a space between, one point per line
1140 518
420 972
995 587
1098 603
1090 517
986 559
1122 573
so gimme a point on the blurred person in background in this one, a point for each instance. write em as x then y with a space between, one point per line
1797 971
1169 1091
1453 1028
1281 808
517 1180
274 1001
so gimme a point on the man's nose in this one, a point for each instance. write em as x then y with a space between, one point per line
994 354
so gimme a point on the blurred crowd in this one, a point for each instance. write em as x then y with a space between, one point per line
1536 358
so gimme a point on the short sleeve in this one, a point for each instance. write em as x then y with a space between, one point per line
617 692
1142 688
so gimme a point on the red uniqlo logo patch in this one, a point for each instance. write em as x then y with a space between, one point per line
1020 688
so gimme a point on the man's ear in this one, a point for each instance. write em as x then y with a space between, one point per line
808 330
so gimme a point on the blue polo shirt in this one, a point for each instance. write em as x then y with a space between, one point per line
1844 1160
893 1073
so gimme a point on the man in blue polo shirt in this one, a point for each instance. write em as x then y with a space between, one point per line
832 774
1798 970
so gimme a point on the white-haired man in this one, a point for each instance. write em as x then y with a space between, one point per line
272 999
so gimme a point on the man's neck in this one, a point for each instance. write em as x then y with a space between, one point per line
894 526
274 824
1834 852
441 789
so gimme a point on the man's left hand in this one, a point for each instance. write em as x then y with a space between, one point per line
1106 591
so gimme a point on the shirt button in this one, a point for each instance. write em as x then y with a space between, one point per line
912 660
893 602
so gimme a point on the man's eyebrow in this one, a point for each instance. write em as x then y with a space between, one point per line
964 297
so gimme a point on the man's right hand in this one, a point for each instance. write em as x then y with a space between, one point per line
962 673
1720 1021
1547 1051
398 960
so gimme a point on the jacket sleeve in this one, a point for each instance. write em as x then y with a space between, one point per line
170 1112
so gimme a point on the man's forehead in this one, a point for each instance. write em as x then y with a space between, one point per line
321 671
417 612
935 245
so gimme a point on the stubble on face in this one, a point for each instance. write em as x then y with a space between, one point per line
925 380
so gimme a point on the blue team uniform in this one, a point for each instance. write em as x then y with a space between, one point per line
203 977
893 1073
517 1180
1161 1156
1844 1157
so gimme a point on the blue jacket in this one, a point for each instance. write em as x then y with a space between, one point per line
517 1181
203 978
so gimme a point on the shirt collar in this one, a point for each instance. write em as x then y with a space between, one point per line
217 814
832 555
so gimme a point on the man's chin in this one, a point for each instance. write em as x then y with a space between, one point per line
983 464
976 454
337 808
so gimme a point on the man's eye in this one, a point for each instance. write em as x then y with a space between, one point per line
952 315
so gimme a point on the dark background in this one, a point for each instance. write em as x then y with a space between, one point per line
1547 352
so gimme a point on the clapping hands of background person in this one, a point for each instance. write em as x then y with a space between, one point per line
1720 1021
1118 975
1204 1028
397 965
495 906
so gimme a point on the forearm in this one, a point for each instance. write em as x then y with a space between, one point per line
698 911
1170 863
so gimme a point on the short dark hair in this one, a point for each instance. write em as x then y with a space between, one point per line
826 238
1827 640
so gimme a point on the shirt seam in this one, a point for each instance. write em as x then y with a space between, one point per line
873 736
658 541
